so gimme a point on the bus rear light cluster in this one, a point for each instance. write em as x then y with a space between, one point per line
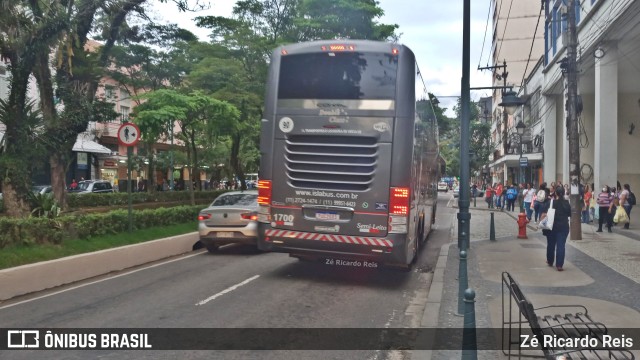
264 201
398 210
399 201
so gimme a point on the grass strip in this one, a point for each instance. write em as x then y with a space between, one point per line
27 254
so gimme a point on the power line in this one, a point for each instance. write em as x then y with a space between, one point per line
524 74
505 27
486 26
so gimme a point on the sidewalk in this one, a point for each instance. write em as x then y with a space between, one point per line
602 272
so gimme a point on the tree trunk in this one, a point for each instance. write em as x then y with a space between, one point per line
196 169
58 184
190 186
235 159
16 168
151 176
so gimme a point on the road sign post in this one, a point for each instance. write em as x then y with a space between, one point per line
129 135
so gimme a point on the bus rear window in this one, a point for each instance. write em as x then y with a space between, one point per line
339 75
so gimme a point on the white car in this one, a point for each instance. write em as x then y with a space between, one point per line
231 218
443 186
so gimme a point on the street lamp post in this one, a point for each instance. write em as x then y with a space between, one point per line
520 131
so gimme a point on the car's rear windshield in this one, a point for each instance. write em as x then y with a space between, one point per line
338 75
236 199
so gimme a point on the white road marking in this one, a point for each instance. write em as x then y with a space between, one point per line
101 280
227 290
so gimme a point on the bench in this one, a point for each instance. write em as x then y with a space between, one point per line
576 323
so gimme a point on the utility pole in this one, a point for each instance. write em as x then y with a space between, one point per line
572 122
464 217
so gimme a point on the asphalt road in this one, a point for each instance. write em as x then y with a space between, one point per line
237 288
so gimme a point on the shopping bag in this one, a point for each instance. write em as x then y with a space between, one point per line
621 216
547 222
592 203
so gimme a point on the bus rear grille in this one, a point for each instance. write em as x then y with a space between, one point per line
331 162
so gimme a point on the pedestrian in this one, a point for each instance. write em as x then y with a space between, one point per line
567 192
557 236
74 185
623 200
521 188
488 196
511 196
604 201
586 203
529 194
629 202
541 197
499 190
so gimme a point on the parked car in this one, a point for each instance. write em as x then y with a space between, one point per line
231 218
456 191
42 189
443 186
93 186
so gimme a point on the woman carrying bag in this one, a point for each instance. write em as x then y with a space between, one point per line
556 212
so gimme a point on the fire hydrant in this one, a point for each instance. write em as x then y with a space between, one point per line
522 226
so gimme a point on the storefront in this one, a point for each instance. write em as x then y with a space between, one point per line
109 171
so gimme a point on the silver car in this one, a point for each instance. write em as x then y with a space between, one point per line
231 218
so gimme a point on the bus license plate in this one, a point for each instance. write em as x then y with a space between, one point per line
328 216
225 234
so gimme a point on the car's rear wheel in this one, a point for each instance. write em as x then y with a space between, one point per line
212 248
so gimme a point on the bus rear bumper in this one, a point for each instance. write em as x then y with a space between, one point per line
395 254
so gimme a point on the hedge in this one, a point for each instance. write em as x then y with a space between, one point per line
75 201
54 231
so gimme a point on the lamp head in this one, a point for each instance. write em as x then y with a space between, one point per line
510 102
520 127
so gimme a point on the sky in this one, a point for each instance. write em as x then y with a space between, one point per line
432 29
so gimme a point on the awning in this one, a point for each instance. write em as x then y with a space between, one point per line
90 146
514 159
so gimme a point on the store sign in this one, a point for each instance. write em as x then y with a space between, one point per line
82 160
109 163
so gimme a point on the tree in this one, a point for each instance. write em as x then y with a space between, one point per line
27 31
139 67
197 115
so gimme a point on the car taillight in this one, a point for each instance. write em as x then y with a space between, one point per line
264 192
249 216
399 201
204 217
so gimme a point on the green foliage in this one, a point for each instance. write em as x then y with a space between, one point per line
44 205
41 230
76 201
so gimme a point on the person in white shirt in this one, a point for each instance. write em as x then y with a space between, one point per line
528 193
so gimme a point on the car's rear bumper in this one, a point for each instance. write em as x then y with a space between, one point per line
238 238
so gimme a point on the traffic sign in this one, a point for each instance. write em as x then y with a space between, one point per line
524 162
128 134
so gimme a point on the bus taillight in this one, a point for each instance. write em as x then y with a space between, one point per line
398 210
264 201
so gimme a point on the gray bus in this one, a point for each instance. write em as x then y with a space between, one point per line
349 154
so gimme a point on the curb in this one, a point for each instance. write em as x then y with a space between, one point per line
30 278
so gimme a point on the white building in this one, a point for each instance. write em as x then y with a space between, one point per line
609 88
516 43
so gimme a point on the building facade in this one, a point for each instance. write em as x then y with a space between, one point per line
518 44
609 92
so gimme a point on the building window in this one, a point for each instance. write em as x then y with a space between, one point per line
124 95
124 113
109 92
